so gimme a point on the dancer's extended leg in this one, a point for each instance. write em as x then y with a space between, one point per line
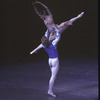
75 18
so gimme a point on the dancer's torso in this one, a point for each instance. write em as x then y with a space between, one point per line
52 49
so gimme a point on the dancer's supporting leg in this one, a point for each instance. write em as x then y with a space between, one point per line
54 66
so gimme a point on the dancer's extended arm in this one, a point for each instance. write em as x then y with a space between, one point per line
49 12
36 49
37 12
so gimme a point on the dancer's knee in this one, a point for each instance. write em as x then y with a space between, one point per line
53 77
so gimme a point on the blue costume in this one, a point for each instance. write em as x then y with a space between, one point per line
52 49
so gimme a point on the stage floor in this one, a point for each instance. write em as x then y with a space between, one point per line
77 80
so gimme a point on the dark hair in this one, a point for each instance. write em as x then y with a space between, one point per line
42 12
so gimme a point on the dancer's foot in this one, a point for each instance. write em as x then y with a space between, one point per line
51 94
80 15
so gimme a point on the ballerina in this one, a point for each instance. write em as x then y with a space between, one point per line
50 45
48 19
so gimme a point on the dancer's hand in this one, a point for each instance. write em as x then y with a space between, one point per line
40 3
31 53
52 37
34 2
34 51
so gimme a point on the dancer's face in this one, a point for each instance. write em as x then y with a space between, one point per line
43 15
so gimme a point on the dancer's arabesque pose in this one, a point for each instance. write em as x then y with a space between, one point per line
52 35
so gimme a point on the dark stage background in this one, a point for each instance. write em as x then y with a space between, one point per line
21 29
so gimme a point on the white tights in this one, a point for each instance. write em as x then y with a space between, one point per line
54 66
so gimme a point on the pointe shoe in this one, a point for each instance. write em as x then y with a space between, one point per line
80 15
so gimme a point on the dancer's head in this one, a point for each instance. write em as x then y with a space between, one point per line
42 14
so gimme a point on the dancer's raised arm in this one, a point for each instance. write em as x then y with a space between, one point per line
49 12
37 11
